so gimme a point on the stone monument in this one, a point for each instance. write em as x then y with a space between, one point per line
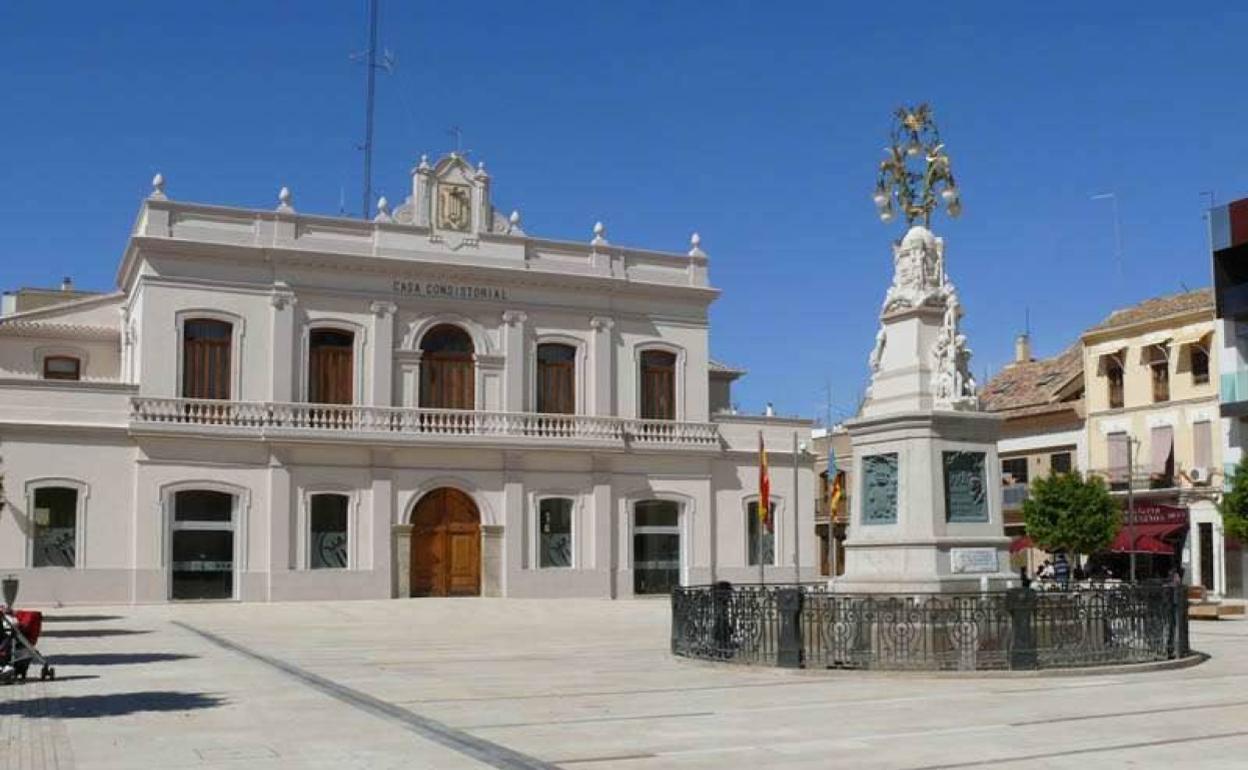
926 516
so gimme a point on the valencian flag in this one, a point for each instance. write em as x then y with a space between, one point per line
764 488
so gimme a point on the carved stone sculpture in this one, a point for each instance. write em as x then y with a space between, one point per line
918 272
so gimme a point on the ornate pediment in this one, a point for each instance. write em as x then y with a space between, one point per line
452 199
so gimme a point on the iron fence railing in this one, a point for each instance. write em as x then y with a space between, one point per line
808 626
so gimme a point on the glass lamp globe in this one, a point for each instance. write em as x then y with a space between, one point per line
950 194
880 199
886 216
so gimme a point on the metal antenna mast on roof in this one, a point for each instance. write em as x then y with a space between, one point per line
386 62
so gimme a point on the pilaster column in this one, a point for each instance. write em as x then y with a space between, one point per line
600 539
381 354
282 344
516 532
515 366
602 365
282 534
373 551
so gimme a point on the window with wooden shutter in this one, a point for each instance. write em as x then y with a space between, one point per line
206 347
447 370
658 385
331 366
556 379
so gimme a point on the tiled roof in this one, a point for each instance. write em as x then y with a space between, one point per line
719 367
1032 386
1158 307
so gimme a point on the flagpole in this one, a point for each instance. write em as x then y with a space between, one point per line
763 500
797 520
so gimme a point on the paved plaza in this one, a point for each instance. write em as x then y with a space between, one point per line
471 683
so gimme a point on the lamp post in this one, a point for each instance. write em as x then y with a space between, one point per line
915 188
1132 442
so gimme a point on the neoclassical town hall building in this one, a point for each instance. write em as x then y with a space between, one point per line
280 406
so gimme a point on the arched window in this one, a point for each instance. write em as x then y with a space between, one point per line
331 366
327 523
206 347
556 378
658 385
754 526
62 368
554 535
55 516
447 371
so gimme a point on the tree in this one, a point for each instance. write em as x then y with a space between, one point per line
1234 505
1067 512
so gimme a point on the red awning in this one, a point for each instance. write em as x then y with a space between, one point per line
1021 543
1149 538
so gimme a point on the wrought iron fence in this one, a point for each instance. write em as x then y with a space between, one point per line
808 626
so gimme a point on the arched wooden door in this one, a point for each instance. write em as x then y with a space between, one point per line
446 545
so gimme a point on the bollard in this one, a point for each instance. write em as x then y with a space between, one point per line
9 588
1021 605
1180 647
789 610
721 622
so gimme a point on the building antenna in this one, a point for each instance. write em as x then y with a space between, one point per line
1113 198
385 62
829 407
1027 320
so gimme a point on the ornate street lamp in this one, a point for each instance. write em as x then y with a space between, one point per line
915 176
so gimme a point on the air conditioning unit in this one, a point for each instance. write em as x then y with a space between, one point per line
1199 476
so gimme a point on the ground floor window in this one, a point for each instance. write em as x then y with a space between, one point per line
328 541
203 545
555 532
754 527
656 547
56 527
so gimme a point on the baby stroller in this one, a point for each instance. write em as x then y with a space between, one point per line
19 632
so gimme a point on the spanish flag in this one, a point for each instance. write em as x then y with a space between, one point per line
837 493
764 488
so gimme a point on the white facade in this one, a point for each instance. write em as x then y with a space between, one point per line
126 438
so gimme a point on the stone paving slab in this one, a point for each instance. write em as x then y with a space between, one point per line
470 683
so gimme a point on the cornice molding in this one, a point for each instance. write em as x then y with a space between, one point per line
388 265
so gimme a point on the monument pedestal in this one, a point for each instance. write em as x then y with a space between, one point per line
925 518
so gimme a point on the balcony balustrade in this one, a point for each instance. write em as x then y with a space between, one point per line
1143 481
265 419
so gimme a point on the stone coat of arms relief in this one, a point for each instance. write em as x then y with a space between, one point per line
454 207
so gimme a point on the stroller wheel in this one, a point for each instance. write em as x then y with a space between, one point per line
48 672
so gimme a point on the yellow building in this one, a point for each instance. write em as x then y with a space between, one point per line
1042 432
831 526
1152 418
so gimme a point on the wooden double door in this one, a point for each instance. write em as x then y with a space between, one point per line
446 545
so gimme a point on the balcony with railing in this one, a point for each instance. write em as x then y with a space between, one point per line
1145 482
270 420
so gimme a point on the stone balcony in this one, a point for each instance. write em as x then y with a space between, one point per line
413 426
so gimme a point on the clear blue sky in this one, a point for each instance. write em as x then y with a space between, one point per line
759 124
